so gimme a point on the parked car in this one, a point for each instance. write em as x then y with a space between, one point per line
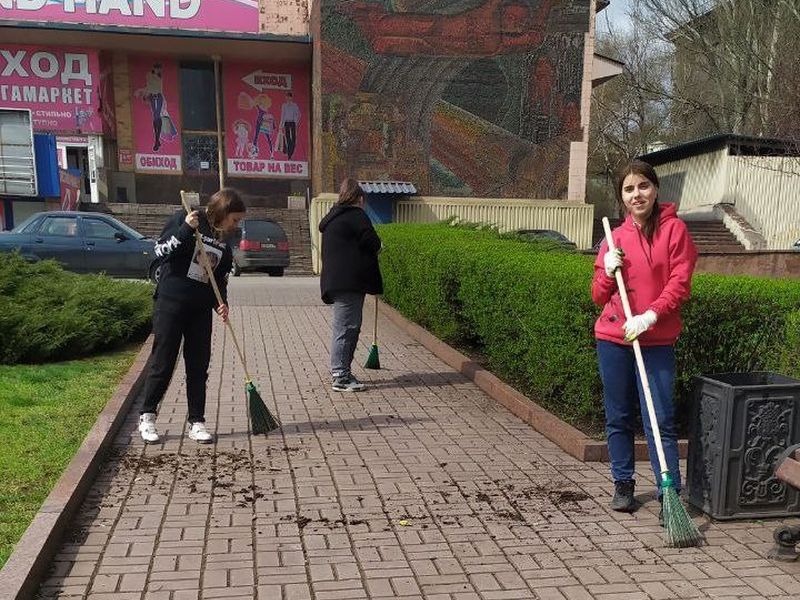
547 235
260 244
84 242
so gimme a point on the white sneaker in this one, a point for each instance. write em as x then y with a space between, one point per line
199 433
147 428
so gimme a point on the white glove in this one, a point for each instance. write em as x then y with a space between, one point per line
613 261
638 324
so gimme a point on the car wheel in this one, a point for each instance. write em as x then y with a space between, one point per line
236 270
155 272
275 272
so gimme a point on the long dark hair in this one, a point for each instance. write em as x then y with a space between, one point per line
646 170
350 193
224 202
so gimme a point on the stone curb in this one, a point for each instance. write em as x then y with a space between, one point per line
28 564
565 436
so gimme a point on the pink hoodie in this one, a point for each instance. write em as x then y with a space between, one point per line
658 277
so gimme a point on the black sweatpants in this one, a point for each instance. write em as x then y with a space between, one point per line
171 323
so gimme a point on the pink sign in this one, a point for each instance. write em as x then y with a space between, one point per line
59 85
266 120
125 157
206 15
156 115
70 190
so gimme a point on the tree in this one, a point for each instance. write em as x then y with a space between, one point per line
630 113
733 71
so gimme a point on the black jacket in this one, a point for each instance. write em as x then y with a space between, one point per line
183 278
350 247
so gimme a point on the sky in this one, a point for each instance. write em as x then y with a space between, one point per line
615 13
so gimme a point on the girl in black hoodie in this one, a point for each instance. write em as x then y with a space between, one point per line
184 302
350 247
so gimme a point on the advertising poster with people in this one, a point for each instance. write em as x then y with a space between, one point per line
156 118
266 121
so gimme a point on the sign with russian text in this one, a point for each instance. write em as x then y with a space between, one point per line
266 121
239 16
59 86
125 157
156 115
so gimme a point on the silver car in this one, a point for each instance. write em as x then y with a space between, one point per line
260 245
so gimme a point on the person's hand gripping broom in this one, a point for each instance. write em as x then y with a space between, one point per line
679 529
261 419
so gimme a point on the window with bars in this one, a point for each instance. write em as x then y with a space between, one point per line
199 114
200 152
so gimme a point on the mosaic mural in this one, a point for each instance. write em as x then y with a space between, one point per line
461 97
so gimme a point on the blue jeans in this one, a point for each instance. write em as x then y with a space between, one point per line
348 308
622 392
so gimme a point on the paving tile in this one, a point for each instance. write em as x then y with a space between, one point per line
420 488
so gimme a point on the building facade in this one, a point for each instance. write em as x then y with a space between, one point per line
476 98
749 183
149 97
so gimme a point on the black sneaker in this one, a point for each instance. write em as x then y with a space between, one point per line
623 496
347 383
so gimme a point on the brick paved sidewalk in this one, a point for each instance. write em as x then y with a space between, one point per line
421 487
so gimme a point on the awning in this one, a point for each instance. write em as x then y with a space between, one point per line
405 188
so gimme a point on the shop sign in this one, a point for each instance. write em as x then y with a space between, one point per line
59 86
240 16
125 157
266 120
156 115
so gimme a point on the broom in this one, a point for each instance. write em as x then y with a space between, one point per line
679 529
373 362
261 419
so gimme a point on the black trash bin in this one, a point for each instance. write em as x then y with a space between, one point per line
741 423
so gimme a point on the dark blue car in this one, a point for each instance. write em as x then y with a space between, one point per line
84 242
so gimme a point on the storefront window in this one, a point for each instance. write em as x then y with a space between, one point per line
198 98
200 152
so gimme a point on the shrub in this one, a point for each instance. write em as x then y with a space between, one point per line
47 313
527 308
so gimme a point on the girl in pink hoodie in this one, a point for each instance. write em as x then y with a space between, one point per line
657 257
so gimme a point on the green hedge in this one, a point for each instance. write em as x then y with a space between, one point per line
527 308
49 314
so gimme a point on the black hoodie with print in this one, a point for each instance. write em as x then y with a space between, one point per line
183 278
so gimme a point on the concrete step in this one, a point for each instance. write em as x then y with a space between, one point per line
708 236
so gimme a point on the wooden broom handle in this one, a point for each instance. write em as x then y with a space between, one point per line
212 279
637 351
375 326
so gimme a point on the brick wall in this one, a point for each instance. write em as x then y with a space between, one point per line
757 264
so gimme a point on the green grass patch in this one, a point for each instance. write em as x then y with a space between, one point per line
45 412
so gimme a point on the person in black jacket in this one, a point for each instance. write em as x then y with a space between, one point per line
184 300
350 247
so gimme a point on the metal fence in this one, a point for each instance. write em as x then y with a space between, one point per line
573 219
